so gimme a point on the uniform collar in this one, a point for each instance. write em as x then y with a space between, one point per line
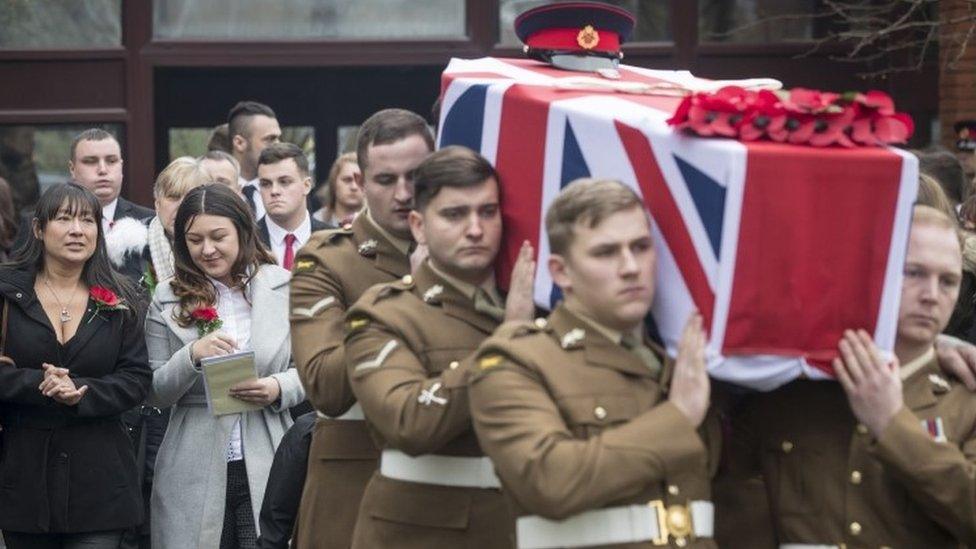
616 336
922 386
400 244
374 246
437 291
575 333
917 364
467 289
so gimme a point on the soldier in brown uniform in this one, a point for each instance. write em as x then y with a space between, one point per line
330 273
407 346
594 433
886 457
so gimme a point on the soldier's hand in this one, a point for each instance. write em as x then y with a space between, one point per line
690 387
519 305
958 359
417 257
872 383
213 344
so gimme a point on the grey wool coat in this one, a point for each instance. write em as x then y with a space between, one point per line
191 469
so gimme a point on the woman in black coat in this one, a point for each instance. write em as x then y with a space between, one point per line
74 332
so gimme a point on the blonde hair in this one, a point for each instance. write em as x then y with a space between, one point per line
588 202
179 177
931 194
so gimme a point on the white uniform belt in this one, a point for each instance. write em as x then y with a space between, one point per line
356 412
464 472
624 524
806 546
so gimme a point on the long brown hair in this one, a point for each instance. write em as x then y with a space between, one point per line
191 284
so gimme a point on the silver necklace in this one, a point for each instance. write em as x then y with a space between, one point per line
65 314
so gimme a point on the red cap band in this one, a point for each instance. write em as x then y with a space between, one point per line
573 39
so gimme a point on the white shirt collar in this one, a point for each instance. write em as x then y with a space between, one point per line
108 212
244 182
277 234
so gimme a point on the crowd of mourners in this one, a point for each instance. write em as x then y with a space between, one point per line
400 398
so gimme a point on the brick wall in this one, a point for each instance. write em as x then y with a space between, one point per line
957 86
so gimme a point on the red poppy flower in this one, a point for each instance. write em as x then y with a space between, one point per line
103 296
879 101
205 314
831 129
881 130
810 101
765 116
680 116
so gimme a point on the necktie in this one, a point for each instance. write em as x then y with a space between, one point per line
289 258
646 356
248 191
485 305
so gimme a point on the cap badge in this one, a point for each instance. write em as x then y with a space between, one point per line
572 338
432 293
368 248
588 38
939 384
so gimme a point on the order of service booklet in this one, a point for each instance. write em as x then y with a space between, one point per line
220 373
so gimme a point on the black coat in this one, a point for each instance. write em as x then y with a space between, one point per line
68 468
285 483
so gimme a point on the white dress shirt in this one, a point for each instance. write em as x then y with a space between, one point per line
277 236
235 312
108 215
258 203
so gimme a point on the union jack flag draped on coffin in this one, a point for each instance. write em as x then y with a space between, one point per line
780 247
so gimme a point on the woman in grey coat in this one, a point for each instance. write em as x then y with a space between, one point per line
211 472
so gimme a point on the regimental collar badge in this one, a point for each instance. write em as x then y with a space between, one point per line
432 293
368 248
939 384
588 38
573 338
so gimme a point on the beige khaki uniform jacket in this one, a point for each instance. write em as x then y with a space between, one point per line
575 422
828 481
407 348
330 273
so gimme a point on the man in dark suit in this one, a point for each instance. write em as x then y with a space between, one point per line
284 184
95 163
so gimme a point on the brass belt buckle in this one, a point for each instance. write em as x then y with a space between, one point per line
674 521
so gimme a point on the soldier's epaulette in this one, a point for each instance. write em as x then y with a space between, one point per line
515 330
405 284
328 236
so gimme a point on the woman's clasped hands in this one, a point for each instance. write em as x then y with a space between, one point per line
58 385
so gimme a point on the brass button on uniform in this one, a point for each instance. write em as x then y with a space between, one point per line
600 412
673 490
862 428
787 446
855 477
855 528
453 365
